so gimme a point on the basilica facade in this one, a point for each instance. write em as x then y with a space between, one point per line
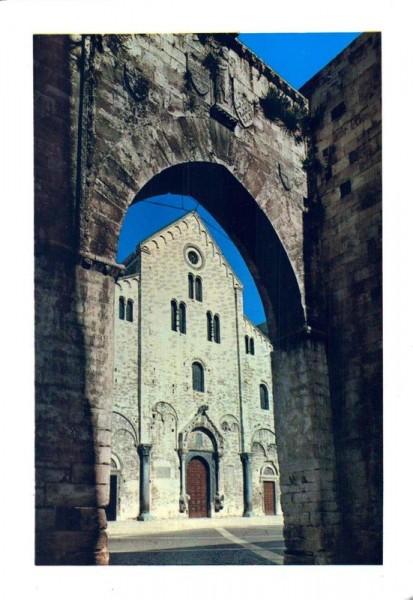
193 416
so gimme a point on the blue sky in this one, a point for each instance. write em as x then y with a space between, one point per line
296 58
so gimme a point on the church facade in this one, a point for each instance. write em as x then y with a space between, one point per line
193 416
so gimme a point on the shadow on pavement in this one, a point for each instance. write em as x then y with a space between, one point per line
227 554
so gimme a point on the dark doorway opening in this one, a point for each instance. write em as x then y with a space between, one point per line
111 509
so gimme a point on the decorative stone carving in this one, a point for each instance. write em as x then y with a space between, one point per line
222 110
183 503
218 502
135 82
222 83
101 264
243 106
201 421
198 74
263 440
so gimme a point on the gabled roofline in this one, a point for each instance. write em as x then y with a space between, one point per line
197 216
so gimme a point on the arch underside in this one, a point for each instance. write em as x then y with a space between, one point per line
213 186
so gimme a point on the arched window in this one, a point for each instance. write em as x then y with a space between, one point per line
182 317
209 327
198 289
121 308
265 405
252 349
247 344
198 377
217 329
174 315
129 310
191 285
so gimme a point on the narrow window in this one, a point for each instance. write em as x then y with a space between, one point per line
191 286
264 397
247 345
174 315
182 317
338 111
198 289
353 156
345 188
129 310
209 326
197 377
217 329
122 308
252 348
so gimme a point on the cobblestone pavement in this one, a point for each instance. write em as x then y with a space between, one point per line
218 542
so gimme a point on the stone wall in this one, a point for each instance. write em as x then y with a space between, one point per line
347 187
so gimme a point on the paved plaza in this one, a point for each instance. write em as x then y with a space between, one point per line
227 541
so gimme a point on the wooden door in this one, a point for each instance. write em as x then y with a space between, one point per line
197 488
269 498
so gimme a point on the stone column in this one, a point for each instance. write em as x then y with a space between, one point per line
144 451
246 473
307 457
183 504
218 499
74 356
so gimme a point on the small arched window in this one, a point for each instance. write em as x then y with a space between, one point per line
191 286
209 327
122 308
174 315
252 348
182 317
247 344
198 289
198 384
217 329
129 310
265 405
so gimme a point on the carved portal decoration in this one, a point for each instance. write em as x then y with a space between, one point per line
135 82
201 421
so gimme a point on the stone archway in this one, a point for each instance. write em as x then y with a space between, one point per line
140 142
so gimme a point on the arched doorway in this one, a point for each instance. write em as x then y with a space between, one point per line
198 488
269 497
269 493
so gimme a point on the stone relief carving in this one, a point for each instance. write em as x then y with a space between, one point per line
230 424
222 110
243 106
265 439
198 74
222 83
